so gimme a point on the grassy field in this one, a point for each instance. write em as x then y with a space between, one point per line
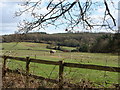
38 50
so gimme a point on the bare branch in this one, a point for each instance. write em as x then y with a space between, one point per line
108 12
76 13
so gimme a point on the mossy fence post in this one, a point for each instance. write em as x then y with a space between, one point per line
4 66
61 69
27 72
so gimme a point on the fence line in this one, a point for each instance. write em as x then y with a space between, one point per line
61 67
74 65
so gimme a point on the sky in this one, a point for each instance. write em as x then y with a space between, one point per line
8 21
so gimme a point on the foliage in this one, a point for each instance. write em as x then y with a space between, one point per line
106 44
70 43
83 48
84 42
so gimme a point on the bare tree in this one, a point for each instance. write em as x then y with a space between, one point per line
70 13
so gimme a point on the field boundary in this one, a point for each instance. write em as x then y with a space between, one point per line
61 65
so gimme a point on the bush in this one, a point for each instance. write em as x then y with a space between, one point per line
104 44
83 48
75 50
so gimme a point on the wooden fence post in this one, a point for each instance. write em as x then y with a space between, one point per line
27 72
4 66
61 69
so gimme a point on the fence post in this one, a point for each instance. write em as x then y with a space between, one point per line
4 66
27 72
61 69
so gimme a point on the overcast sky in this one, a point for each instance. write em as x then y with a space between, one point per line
8 21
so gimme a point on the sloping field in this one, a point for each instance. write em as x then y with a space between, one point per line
38 50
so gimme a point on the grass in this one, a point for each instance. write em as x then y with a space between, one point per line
24 45
68 48
39 51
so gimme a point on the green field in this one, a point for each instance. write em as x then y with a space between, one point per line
39 51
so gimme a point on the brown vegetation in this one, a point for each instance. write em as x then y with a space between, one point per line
12 80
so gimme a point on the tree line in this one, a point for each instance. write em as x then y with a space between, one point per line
83 42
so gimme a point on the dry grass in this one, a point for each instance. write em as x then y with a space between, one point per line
12 80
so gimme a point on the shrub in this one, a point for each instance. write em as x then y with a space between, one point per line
83 48
75 50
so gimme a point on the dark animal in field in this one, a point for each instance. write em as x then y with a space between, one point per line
52 51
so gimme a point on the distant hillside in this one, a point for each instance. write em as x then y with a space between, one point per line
82 41
43 37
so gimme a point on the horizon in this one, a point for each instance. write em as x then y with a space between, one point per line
61 33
